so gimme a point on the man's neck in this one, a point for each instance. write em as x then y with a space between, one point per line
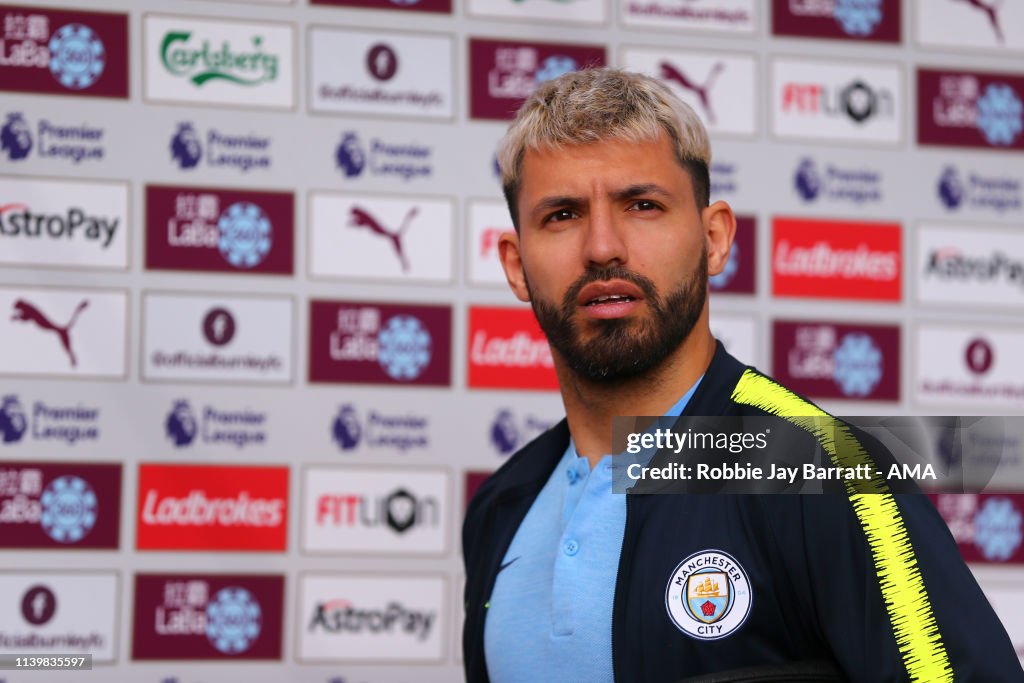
590 406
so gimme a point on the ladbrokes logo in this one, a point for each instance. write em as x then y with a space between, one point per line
875 20
375 510
63 143
507 350
504 74
202 616
58 505
241 152
212 508
219 230
379 343
970 109
855 362
837 101
67 53
211 61
836 259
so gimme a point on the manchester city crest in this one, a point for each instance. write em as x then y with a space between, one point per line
708 595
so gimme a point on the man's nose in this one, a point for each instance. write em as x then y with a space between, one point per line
605 244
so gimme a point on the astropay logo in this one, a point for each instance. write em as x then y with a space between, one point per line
64 223
970 109
970 265
241 152
508 350
64 143
837 101
210 507
837 259
356 509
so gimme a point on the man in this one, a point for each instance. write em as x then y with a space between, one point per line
606 177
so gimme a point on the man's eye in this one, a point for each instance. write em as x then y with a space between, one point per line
643 205
561 215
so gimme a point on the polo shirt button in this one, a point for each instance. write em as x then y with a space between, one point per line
571 548
572 475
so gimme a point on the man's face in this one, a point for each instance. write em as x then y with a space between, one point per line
612 253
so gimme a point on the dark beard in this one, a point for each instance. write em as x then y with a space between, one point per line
624 348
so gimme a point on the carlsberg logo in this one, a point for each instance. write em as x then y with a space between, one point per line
200 61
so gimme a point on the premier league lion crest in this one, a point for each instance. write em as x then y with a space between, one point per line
708 595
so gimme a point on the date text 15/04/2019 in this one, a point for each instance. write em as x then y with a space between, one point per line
806 472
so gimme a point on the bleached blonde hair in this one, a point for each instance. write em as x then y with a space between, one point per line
598 104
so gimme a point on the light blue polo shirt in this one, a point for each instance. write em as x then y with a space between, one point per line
550 613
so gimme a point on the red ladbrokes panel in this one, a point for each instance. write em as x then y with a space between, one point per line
834 259
211 507
508 350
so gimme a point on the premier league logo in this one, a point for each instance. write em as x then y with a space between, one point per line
858 365
1000 115
16 137
858 17
997 529
13 423
245 235
951 188
405 347
233 620
504 433
807 180
77 56
185 148
181 424
708 595
69 509
350 156
346 429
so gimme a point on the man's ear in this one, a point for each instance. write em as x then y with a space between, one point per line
719 231
512 262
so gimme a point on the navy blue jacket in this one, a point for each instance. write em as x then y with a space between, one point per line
873 582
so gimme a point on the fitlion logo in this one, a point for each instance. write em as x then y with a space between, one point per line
857 100
399 510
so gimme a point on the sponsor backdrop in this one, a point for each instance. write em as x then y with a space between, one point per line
256 350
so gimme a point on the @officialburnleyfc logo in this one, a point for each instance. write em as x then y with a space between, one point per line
38 605
219 326
708 595
181 424
13 423
77 56
16 137
382 62
186 150
979 356
68 509
233 620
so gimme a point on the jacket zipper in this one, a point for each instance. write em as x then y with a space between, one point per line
617 601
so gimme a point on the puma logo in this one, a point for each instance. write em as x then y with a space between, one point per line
671 73
360 218
990 9
24 311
